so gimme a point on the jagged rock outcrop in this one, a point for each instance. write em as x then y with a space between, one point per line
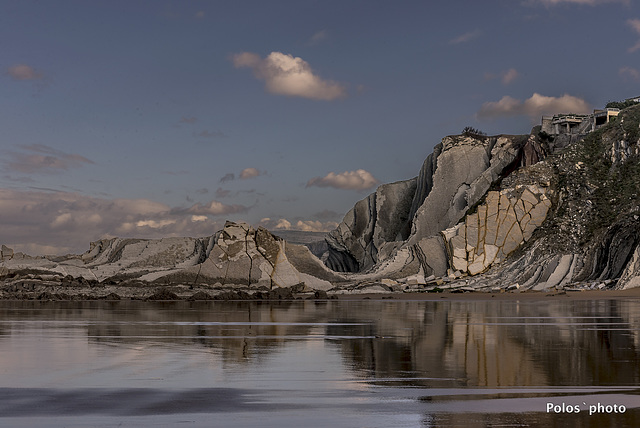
453 178
466 168
592 232
238 255
500 225
376 222
536 211
6 253
244 255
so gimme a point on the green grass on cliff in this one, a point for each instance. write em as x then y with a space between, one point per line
596 192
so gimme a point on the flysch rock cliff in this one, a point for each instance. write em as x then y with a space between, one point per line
535 211
238 256
531 212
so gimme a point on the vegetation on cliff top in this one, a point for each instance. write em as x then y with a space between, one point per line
597 182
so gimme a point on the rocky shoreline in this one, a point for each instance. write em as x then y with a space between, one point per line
69 289
34 287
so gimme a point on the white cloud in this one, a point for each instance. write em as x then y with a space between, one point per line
249 173
466 37
216 208
154 224
304 225
318 37
246 59
285 74
315 226
283 224
509 76
23 72
635 26
629 73
534 107
353 180
40 222
39 158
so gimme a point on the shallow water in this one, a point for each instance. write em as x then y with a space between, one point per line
369 363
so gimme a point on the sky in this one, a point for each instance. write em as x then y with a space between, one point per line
159 118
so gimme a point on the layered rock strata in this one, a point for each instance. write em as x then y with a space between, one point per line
378 221
506 220
516 211
238 255
403 221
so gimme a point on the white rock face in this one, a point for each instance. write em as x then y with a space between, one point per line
501 224
397 230
236 255
374 222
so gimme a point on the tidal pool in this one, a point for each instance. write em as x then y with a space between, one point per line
366 363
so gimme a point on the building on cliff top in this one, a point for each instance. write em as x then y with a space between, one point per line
583 123
578 123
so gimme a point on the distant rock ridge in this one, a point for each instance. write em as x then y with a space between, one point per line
237 255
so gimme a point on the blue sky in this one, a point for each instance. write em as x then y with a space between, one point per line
166 118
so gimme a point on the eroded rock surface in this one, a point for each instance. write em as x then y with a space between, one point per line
237 256
394 221
375 222
526 212
485 213
500 225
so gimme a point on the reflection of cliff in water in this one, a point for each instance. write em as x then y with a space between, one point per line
500 343
457 343
476 343
240 332
590 342
442 342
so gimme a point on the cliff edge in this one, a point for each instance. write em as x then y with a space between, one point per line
530 211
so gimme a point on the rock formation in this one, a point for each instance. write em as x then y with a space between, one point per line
517 212
376 222
500 225
536 211
237 256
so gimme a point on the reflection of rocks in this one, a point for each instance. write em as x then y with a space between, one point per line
431 343
495 345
